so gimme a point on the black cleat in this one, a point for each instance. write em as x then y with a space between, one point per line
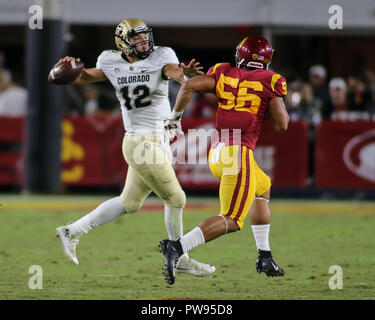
171 251
266 264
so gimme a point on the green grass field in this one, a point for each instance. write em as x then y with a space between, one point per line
121 260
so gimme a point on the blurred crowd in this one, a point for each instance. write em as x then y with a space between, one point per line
312 98
317 98
13 95
335 98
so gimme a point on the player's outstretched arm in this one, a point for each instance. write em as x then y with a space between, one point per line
278 115
88 75
178 73
199 84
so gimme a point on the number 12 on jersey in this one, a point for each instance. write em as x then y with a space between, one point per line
141 94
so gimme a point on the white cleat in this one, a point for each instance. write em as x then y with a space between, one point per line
187 265
68 242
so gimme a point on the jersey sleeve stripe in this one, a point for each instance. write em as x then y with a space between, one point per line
274 79
215 67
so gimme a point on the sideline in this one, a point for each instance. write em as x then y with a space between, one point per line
278 206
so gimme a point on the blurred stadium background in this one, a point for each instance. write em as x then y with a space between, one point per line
66 140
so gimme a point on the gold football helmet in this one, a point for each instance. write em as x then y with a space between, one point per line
129 28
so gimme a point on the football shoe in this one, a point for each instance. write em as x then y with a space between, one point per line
171 251
68 242
266 264
187 265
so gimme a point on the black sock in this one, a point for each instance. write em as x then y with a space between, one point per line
265 254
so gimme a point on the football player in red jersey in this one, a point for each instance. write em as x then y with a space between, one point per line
247 95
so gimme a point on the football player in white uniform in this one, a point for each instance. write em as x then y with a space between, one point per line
139 72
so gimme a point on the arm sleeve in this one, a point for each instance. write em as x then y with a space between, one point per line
167 56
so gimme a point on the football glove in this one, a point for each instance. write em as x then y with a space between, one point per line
173 125
173 128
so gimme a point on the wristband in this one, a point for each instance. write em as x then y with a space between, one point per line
177 115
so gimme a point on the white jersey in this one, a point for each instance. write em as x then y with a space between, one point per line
141 88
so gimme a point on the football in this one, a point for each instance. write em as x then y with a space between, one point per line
65 72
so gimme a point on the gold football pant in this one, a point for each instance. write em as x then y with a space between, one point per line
241 180
150 169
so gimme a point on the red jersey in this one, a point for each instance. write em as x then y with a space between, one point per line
243 100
